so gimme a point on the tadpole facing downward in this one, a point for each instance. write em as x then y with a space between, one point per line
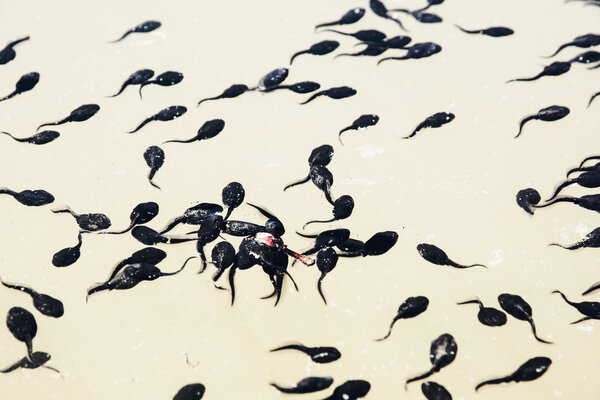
442 353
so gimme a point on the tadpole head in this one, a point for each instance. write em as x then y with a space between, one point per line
326 260
275 227
380 243
321 155
233 195
527 198
343 206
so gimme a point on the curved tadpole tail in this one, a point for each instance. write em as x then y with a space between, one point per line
16 42
173 224
208 99
64 210
13 94
327 192
592 98
340 32
588 159
564 46
297 54
53 123
561 187
298 347
231 275
142 86
533 78
523 122
320 289
476 301
456 265
466 30
292 279
396 318
179 270
558 200
396 20
349 128
120 90
535 333
417 129
494 382
296 183
565 298
147 120
420 377
130 227
327 24
592 288
122 37
315 221
11 192
392 58
21 140
314 96
27 290
150 176
182 140
272 88
98 288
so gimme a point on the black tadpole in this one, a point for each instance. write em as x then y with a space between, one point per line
144 27
495 31
588 179
335 93
554 69
8 53
232 197
589 202
342 209
350 17
80 114
434 121
39 138
548 114
90 222
517 307
434 391
168 78
21 323
69 255
44 303
442 353
30 198
487 315
166 114
141 214
154 157
307 385
326 261
318 49
321 355
437 256
369 35
229 93
410 308
417 51
584 42
24 84
381 10
532 369
136 78
298 87
362 122
591 309
208 130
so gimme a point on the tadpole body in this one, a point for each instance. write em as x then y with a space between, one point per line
321 355
89 222
8 53
362 122
80 114
39 138
24 84
494 31
532 369
517 307
555 69
548 114
487 315
318 49
166 114
442 352
437 256
137 78
68 256
155 158
410 308
350 17
527 199
168 78
144 27
21 323
44 303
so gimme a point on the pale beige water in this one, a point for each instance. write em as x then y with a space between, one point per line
452 186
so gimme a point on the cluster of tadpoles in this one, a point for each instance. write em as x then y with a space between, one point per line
588 177
349 390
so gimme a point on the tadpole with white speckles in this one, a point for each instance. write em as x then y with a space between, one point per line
307 385
437 256
362 122
136 78
584 42
31 198
381 10
417 51
350 17
517 307
69 255
321 355
529 371
442 352
141 214
208 130
155 158
44 303
39 138
335 93
90 222
168 78
410 308
318 49
144 27
166 114
21 323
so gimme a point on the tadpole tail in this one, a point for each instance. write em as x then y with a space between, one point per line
580 320
392 58
122 37
15 138
494 382
50 368
29 344
53 123
349 54
476 301
342 131
588 159
231 275
173 224
533 78
120 90
11 192
147 120
296 183
417 129
64 210
403 10
535 333
327 193
564 46
420 377
10 368
333 30
396 20
314 96
262 211
320 289
561 187
142 86
202 260
558 200
456 265
353 254
18 287
208 99
284 389
292 279
130 227
306 235
327 24
579 169
592 288
575 246
179 270
523 122
315 221
16 42
182 140
592 98
565 298
267 90
396 318
466 30
95 289
595 66
297 54
278 287
150 176
298 347
9 96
